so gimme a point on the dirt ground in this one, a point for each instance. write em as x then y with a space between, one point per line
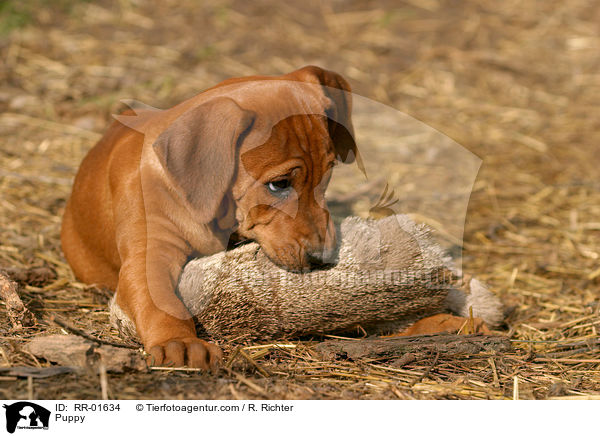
516 83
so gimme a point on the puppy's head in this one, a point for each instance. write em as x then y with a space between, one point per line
275 188
280 197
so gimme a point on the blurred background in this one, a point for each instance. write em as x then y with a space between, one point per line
517 83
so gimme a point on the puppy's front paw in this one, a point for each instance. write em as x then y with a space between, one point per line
191 351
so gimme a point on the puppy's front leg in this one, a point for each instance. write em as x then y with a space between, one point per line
146 292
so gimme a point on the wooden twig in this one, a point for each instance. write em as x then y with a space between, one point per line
64 324
18 314
494 372
174 368
559 360
561 354
395 347
103 381
259 368
232 356
420 378
35 372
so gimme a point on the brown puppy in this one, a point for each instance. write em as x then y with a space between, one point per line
251 155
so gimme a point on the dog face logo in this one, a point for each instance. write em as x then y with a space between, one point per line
26 415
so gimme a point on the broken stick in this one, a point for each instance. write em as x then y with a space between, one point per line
390 348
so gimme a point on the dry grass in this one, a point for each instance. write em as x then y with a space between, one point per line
516 83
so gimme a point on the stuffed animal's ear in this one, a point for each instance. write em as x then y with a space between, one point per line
198 151
339 113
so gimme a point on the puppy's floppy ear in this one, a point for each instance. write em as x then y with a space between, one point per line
198 152
339 113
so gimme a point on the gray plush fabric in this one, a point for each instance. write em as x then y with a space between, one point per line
390 273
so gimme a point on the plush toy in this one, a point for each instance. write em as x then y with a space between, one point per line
389 274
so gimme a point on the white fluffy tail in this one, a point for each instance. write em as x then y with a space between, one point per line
484 303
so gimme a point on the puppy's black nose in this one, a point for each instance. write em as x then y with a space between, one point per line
320 259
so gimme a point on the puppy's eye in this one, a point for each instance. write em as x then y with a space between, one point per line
279 188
